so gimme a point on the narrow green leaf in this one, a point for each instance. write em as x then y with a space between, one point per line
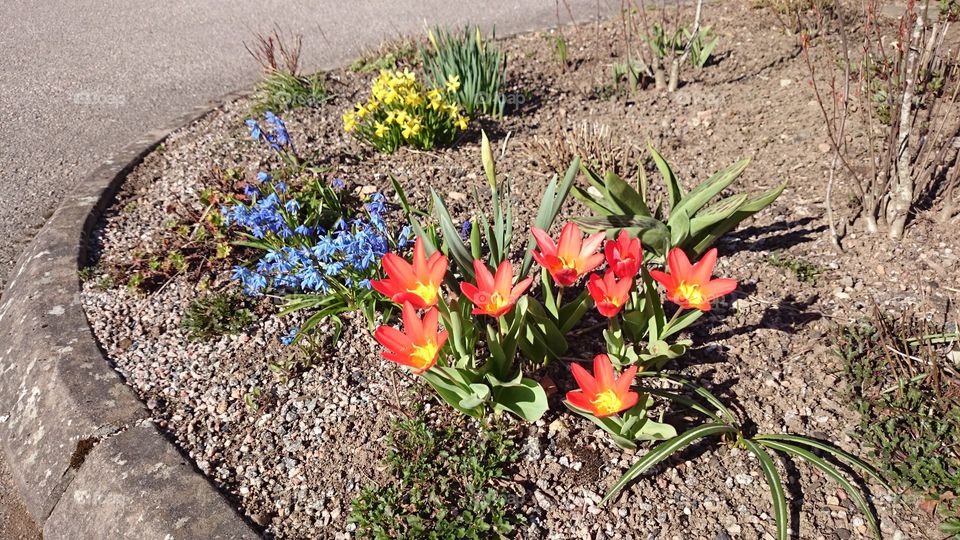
673 185
772 475
746 210
451 237
625 196
701 195
830 471
664 450
840 454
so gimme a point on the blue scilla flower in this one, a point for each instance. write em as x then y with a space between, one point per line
466 229
255 130
253 283
280 187
291 336
279 128
337 184
292 206
405 238
263 177
376 206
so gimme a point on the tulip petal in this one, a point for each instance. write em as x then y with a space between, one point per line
580 400
591 244
470 291
484 277
628 400
718 287
399 270
603 372
437 267
392 339
570 242
669 281
504 279
519 289
679 264
412 325
586 381
703 269
544 242
625 380
419 259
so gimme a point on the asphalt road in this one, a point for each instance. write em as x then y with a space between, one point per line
79 79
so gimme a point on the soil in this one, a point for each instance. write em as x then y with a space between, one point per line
294 460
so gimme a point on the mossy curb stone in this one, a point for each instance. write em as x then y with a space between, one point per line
84 457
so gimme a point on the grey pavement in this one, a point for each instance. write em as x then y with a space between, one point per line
80 79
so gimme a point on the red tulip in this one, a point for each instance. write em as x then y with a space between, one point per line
418 345
572 258
417 283
491 295
690 286
603 393
624 255
608 294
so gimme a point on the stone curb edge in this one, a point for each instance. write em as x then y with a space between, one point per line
83 453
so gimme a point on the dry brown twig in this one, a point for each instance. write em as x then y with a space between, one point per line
276 52
906 87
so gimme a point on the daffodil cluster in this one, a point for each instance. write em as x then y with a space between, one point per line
401 111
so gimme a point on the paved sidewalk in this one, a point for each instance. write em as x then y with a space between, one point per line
80 79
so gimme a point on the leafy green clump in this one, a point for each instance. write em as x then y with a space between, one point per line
281 91
443 486
478 65
902 382
805 271
216 315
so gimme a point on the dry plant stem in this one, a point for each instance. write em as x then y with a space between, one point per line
677 62
902 193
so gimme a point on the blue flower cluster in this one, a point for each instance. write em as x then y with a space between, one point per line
310 259
275 135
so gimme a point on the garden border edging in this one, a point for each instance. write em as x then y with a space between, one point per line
82 450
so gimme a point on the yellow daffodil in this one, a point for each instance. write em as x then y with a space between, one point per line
413 99
453 83
391 116
380 129
462 122
349 121
412 128
361 111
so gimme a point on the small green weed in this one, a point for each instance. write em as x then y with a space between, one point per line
805 271
95 274
443 486
283 87
390 55
905 387
216 315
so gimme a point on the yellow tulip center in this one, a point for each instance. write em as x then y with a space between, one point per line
612 300
428 292
607 403
423 355
496 302
691 292
571 265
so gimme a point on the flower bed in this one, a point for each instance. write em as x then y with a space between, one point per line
551 345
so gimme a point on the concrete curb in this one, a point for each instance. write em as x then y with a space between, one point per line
84 457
